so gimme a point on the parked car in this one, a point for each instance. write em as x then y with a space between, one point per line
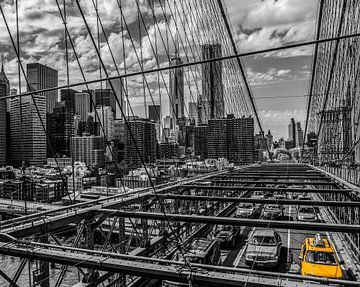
258 194
307 214
226 235
263 248
279 195
272 211
245 210
305 196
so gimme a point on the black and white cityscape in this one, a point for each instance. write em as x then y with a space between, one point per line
179 143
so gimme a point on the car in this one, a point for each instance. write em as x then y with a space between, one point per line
318 258
272 211
258 194
279 195
307 214
304 196
263 248
245 210
226 234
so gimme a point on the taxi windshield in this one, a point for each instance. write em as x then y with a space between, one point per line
264 240
320 257
306 210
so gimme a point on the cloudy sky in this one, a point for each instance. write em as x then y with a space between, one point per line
279 81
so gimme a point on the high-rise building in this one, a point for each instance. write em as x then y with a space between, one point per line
82 105
119 94
89 149
193 112
299 135
212 87
4 91
105 97
144 133
200 141
106 121
292 131
176 97
231 138
42 77
269 139
154 113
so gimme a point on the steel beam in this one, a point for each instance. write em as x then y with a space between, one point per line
256 188
238 221
264 201
284 182
159 268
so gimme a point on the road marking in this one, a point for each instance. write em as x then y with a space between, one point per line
289 241
242 251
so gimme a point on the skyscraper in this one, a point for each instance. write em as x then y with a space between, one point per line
292 133
193 112
82 105
106 121
299 135
4 91
88 149
176 97
105 97
42 77
119 94
231 138
144 134
212 87
154 113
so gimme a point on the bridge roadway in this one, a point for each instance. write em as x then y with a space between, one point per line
232 259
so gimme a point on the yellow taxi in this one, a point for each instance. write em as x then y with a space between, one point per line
318 259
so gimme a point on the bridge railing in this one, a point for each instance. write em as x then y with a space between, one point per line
349 174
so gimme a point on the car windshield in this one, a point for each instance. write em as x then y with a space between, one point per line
320 257
258 193
306 210
224 227
191 259
273 206
264 240
246 205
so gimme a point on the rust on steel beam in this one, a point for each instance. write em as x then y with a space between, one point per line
264 201
239 221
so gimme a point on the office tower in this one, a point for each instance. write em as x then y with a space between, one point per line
168 150
27 143
13 92
42 77
119 94
292 132
144 134
190 137
231 138
154 113
200 141
212 87
106 122
299 135
89 149
176 97
4 91
269 140
60 127
82 105
193 112
105 97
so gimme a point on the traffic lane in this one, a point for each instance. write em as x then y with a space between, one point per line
292 241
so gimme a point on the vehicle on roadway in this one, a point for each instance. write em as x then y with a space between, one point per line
263 249
258 194
305 196
279 195
307 214
226 235
272 211
245 210
318 258
198 250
